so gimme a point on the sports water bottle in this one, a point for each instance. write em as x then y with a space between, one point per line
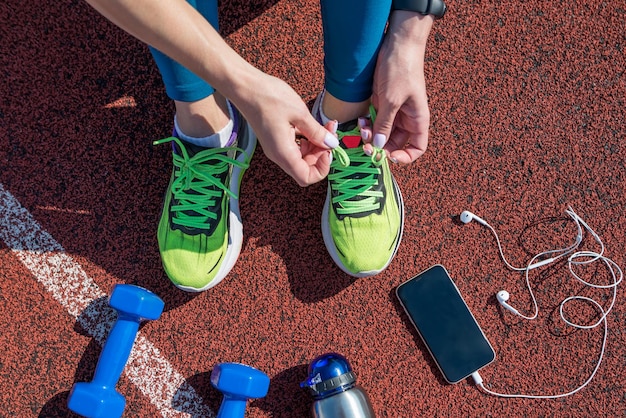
333 386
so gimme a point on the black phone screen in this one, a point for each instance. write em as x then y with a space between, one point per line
444 322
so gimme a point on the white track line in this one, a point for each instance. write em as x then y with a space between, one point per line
68 283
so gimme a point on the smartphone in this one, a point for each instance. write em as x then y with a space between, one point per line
444 322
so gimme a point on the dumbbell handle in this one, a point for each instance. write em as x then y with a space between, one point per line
116 350
232 408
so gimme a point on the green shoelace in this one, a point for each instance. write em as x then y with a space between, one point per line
353 178
198 185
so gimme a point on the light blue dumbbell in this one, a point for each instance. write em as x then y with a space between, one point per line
238 383
99 398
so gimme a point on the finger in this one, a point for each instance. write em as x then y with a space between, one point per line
365 126
308 169
319 165
308 127
368 149
317 158
331 127
399 139
311 168
313 164
415 148
385 117
307 162
406 155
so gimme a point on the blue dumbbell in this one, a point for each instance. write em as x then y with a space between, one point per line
238 383
99 397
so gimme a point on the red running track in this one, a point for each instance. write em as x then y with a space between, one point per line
528 117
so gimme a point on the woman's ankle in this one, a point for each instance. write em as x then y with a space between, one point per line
203 117
341 111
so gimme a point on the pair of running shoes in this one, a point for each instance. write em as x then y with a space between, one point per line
200 232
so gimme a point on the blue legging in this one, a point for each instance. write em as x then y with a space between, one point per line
353 32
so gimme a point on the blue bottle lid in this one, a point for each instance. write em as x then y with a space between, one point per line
329 374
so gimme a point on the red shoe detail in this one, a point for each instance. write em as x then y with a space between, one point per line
351 141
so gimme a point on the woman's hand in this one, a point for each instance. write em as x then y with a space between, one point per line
399 89
277 115
273 109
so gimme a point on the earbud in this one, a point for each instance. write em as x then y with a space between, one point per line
467 217
502 297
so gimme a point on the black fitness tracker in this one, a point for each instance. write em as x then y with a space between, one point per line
436 8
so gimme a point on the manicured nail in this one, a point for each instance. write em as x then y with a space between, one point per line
365 134
367 149
379 140
331 140
333 127
393 160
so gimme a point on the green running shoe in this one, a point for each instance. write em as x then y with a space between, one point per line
200 232
363 215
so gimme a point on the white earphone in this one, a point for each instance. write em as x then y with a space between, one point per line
467 217
503 297
587 257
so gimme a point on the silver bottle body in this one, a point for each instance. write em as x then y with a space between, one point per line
352 403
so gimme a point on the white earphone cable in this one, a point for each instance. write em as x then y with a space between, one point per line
479 382
587 257
562 251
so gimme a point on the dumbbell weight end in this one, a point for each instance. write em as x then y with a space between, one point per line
239 383
95 401
99 398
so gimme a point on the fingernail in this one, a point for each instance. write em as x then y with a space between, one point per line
393 160
361 123
333 127
379 140
365 135
331 140
367 149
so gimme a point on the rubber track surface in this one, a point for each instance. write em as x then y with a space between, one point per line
528 117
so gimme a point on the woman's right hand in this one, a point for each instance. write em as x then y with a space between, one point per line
274 110
278 115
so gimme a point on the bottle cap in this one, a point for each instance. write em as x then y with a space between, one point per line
329 374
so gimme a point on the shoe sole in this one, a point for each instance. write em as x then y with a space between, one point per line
330 243
235 225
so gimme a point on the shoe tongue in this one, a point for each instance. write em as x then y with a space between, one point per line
192 149
349 141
